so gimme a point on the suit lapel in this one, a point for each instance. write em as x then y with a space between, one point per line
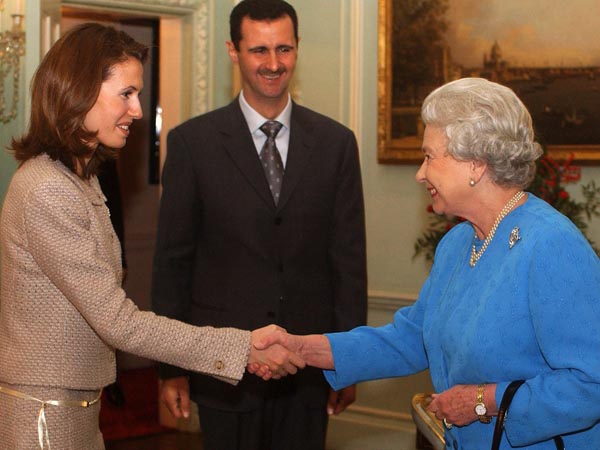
240 146
300 150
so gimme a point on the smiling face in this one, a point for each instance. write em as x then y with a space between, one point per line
446 178
267 57
117 105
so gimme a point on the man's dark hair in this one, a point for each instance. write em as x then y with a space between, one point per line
259 10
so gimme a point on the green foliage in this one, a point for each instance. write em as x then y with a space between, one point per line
548 184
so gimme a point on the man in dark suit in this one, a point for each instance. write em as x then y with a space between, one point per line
242 244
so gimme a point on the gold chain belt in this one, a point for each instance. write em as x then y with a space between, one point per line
42 425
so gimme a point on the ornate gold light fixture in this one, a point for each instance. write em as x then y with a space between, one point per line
12 48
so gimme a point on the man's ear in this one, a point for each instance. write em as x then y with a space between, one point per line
233 53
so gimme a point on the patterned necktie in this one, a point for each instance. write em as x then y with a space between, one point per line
271 159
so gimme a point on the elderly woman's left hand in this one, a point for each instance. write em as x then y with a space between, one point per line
457 405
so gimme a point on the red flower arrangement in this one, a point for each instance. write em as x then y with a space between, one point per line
547 185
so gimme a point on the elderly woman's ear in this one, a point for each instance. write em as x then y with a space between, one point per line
478 169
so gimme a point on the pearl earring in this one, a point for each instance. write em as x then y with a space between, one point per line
471 182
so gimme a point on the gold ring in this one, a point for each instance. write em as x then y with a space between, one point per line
447 425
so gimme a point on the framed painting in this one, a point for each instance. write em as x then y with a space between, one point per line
551 61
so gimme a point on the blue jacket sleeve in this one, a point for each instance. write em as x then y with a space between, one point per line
368 353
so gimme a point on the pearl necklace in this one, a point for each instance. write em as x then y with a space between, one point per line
475 255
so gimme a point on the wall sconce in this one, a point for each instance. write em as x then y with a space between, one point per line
12 48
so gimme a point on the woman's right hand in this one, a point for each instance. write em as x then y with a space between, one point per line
273 360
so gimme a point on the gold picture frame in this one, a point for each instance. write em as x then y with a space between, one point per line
404 147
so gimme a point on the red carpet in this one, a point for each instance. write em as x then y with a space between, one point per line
139 415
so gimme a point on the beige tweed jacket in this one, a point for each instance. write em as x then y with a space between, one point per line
62 310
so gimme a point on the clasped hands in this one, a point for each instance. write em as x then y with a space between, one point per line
276 353
268 359
273 354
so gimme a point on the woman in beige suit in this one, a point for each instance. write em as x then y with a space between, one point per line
62 310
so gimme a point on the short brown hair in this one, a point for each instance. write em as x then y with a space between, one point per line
263 10
64 89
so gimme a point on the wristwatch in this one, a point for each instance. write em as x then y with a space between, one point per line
480 408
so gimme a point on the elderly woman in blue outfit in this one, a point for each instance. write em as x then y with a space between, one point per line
514 291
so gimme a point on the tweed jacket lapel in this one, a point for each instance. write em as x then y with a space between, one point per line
108 243
100 225
240 146
301 148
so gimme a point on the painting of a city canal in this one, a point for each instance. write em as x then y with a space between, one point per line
547 51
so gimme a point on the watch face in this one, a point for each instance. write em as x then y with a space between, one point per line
480 409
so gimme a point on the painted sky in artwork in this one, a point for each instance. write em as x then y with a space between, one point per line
539 33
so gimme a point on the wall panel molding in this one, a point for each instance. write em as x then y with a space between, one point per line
376 417
356 85
389 301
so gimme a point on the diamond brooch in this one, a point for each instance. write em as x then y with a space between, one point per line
514 237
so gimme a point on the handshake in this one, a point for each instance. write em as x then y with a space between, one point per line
274 353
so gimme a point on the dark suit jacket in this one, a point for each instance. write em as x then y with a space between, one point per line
227 256
108 177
